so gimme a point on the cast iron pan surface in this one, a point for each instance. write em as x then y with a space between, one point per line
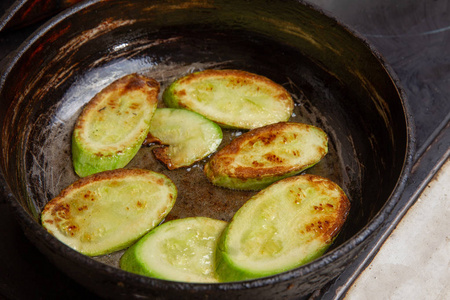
337 81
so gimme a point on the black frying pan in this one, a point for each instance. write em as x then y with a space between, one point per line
338 81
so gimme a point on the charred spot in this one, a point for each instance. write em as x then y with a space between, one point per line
63 210
160 181
319 208
309 227
180 93
273 158
319 225
81 208
140 204
102 109
134 106
269 138
296 152
321 150
151 139
330 205
133 84
72 229
251 143
114 183
49 221
257 164
112 102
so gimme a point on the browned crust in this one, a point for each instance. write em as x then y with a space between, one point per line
326 225
117 174
151 139
267 134
242 78
161 153
123 85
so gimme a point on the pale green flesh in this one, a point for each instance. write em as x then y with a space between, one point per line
106 216
112 133
190 136
179 250
110 127
245 106
277 230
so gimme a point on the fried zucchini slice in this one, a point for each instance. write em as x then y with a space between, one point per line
284 226
190 137
231 98
109 211
179 250
113 125
264 155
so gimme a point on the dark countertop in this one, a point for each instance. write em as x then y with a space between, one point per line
414 38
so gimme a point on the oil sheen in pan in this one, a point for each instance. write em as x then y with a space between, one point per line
50 169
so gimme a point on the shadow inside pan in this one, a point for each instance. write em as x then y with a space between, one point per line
336 81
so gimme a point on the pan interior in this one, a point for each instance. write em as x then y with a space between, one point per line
318 97
365 152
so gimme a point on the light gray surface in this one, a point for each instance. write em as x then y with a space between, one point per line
414 262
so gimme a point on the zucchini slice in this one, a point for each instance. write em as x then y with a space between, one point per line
264 155
179 250
231 98
113 125
190 136
284 226
109 211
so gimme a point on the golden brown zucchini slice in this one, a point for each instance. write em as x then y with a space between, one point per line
284 226
231 98
113 125
264 155
108 211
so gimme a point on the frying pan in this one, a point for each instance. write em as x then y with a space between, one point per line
338 81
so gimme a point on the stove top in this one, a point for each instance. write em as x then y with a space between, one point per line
414 38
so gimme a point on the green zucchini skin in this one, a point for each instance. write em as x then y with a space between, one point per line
231 98
284 226
112 126
264 155
86 162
